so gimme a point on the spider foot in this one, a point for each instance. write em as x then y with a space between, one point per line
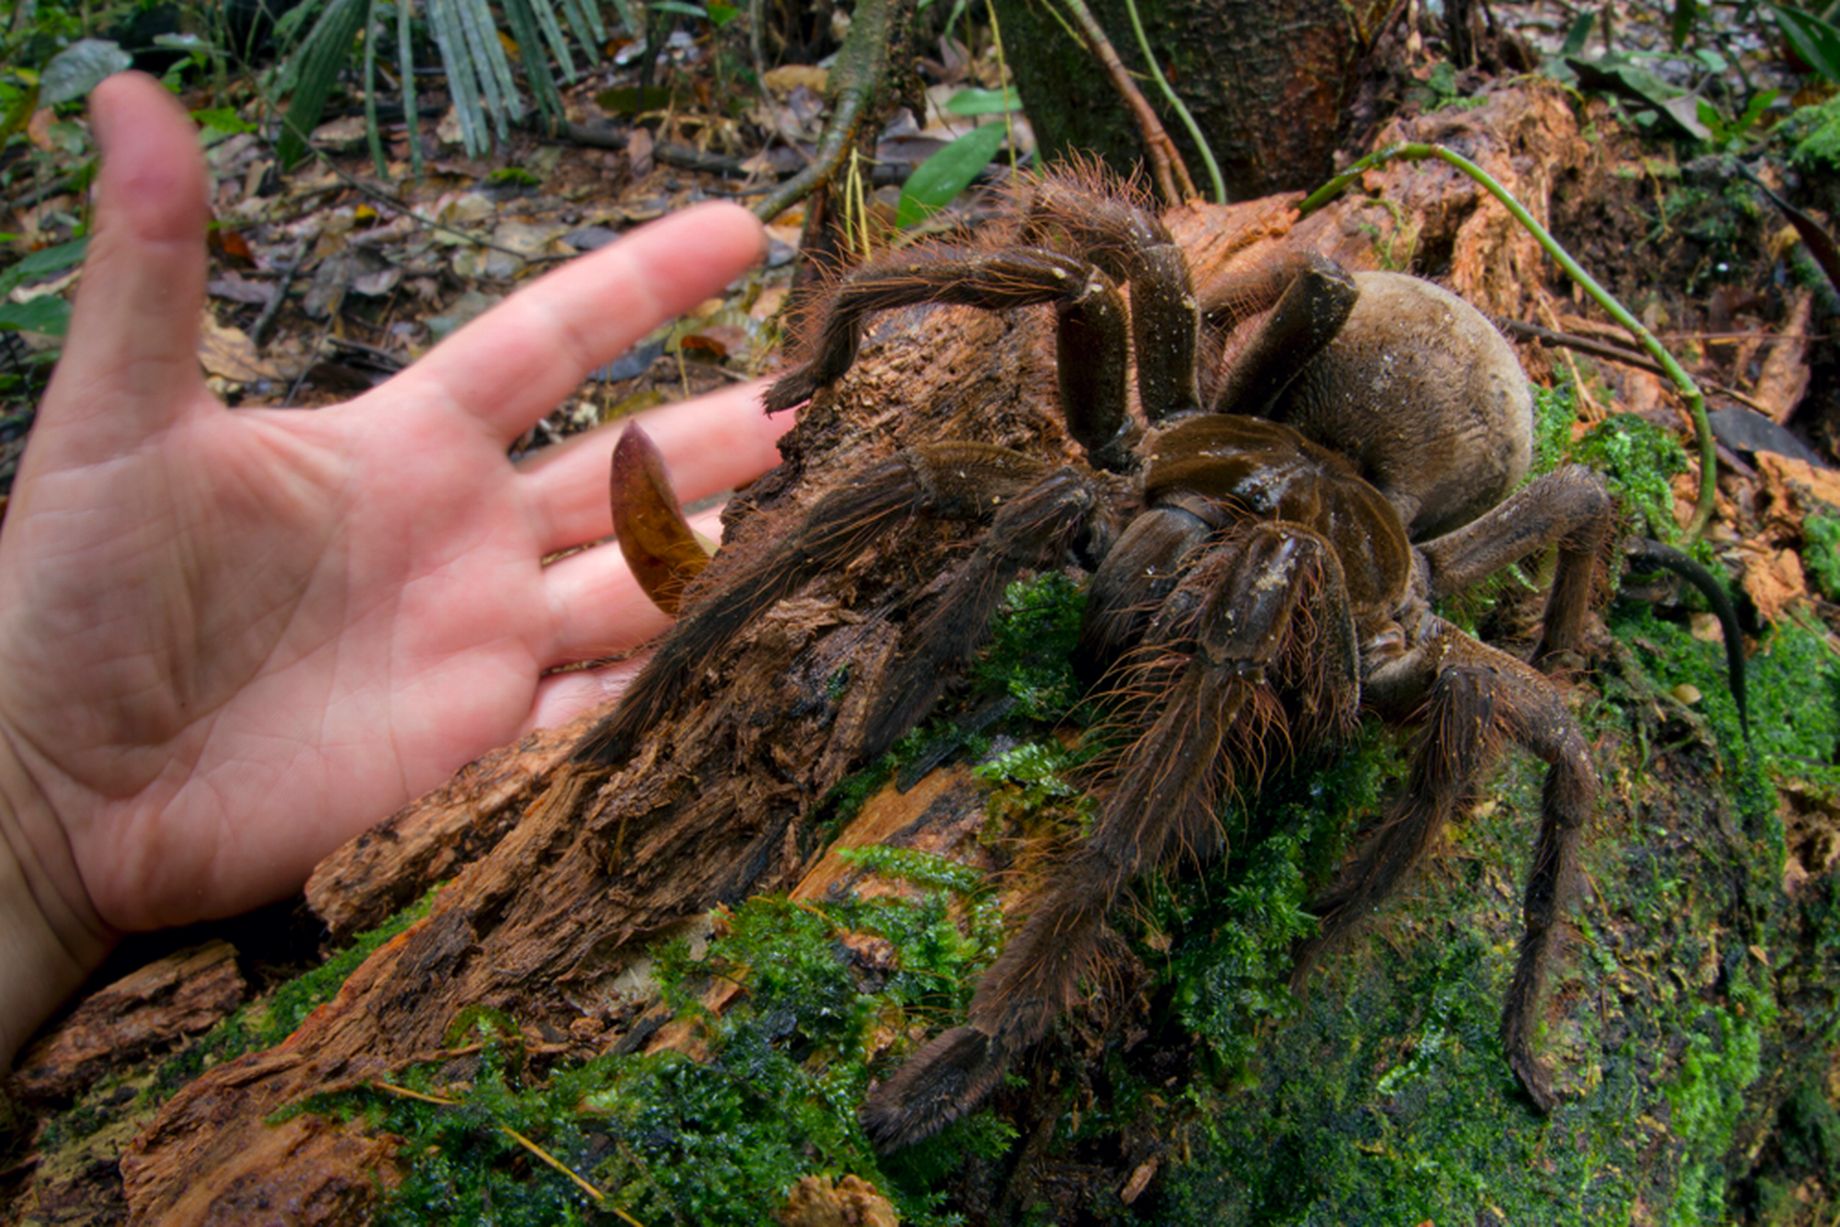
937 1085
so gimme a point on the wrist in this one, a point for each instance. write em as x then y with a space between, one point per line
50 935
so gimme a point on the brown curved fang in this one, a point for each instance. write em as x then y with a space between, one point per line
663 552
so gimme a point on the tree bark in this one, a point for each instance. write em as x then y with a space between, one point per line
1268 83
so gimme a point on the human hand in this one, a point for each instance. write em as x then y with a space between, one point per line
229 640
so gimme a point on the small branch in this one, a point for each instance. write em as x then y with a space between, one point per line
1166 166
1182 112
1689 391
283 280
1615 353
857 76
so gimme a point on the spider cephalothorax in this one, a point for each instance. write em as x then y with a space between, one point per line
1287 522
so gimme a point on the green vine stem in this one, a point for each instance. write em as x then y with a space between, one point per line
1175 101
1689 391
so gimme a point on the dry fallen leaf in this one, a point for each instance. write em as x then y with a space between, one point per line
1139 1181
1806 482
788 77
1785 374
1773 579
228 353
851 1202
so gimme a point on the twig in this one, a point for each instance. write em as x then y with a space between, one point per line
44 192
402 206
857 75
1689 391
1166 165
284 279
1615 353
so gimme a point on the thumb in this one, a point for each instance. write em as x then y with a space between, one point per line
130 366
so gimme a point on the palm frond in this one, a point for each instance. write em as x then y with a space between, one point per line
481 77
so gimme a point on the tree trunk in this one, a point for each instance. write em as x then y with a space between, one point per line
1268 83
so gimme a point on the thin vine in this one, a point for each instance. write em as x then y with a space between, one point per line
1689 390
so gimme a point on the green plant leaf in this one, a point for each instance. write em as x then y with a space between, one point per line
314 69
938 180
43 264
79 68
632 99
48 314
1579 34
223 120
983 102
1814 40
680 7
721 14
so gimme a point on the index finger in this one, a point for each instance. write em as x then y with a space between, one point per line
514 364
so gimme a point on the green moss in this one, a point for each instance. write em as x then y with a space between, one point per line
1036 779
1821 552
1031 647
1815 135
1027 662
1555 409
1637 459
720 1139
1237 924
1723 1058
1794 700
267 1022
1807 1137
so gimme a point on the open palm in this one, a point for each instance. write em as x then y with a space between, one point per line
230 640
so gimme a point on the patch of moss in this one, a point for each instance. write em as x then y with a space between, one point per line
1723 1057
1721 218
1238 922
1637 459
267 1022
1035 779
1815 135
1026 662
721 1139
1821 552
1554 411
1805 1140
1031 647
1794 700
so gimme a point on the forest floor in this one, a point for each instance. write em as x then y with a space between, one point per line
1696 1028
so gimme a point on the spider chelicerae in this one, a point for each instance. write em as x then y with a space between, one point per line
1288 519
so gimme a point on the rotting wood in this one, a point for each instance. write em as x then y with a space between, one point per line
576 870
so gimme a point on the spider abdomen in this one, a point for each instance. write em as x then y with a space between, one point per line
1427 400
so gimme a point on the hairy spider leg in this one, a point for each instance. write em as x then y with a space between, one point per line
1318 295
1140 570
1034 529
1130 245
1568 506
1091 331
662 550
1481 698
1258 602
964 481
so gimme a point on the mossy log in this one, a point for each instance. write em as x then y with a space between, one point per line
676 982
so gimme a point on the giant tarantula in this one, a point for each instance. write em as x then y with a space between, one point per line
1289 521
